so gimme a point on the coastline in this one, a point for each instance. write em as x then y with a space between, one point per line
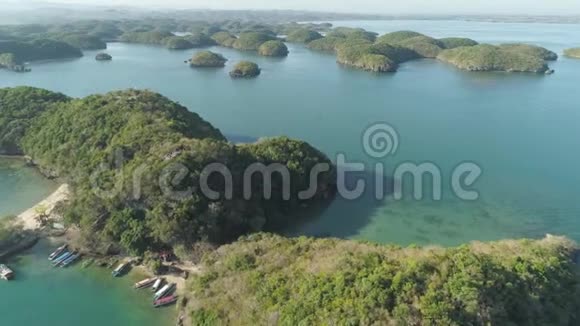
29 219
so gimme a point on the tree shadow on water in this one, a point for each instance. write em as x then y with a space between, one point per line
343 218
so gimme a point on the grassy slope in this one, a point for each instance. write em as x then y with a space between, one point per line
263 279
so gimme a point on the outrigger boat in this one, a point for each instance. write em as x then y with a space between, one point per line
6 273
61 258
145 283
120 270
70 260
157 284
57 252
165 301
167 289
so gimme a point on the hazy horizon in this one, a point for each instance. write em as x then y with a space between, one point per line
408 7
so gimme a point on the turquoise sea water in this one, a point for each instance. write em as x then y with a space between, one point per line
20 187
43 295
521 129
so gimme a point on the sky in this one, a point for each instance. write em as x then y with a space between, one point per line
509 7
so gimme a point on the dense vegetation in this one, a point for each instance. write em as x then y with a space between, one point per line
486 57
274 48
363 50
178 43
207 59
18 108
251 41
270 280
531 50
123 153
455 42
83 41
149 37
303 35
245 69
41 49
572 53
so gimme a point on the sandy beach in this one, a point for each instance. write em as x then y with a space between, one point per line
29 218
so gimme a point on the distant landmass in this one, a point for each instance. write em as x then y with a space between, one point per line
43 13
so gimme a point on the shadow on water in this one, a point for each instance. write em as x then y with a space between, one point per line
344 218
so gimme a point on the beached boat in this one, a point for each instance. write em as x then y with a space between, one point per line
166 290
6 273
57 252
120 270
165 301
157 284
70 260
61 258
145 283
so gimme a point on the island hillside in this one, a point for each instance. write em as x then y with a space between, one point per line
274 48
572 53
245 69
42 49
100 143
385 53
493 58
304 281
103 57
208 59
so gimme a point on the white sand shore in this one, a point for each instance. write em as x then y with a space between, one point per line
29 218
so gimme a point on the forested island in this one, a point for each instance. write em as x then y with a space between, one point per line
261 278
207 59
572 53
245 69
354 47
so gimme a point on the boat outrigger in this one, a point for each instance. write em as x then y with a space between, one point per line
70 260
120 270
145 283
6 273
57 252
167 289
165 301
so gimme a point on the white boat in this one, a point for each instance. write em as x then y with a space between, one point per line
6 273
157 284
164 291
145 283
119 270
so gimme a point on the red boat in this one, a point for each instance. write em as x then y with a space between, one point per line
165 301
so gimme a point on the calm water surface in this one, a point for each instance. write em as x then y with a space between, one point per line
521 129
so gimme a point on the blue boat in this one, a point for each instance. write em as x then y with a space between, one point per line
70 260
57 252
62 258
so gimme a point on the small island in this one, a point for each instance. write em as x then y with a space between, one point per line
251 41
208 59
572 53
485 57
103 57
245 69
273 48
303 35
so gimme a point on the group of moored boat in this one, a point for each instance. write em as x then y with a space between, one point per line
61 257
163 293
